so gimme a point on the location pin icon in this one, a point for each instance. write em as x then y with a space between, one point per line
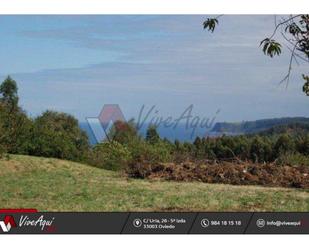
137 222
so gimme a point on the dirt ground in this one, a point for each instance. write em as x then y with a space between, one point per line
237 173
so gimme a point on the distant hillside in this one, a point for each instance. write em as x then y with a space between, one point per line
248 127
292 129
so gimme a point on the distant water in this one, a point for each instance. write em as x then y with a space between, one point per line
180 132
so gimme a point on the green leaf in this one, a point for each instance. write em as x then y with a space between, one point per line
210 24
306 85
270 47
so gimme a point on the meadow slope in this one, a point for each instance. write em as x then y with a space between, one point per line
58 185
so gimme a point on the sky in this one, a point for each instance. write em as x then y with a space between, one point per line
76 64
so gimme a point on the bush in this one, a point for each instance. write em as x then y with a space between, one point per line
110 155
152 135
142 151
261 149
293 159
303 145
284 144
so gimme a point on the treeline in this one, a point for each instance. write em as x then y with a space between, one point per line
51 134
126 143
256 148
58 135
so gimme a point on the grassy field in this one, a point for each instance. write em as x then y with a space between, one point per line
56 185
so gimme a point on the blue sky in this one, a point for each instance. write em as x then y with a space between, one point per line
76 64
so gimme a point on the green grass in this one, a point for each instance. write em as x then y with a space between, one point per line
57 185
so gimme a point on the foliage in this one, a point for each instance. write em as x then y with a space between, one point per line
8 91
299 29
261 150
306 85
293 159
294 30
183 151
152 135
210 24
303 145
110 155
264 147
15 126
3 134
123 132
144 152
271 47
283 145
128 149
58 135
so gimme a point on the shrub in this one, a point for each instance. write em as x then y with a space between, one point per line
284 145
110 155
142 151
180 152
152 135
303 145
292 159
261 149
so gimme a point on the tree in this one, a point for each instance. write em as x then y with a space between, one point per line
304 145
261 150
197 142
3 133
199 151
222 150
123 132
294 30
209 146
15 126
59 135
283 145
8 90
152 135
242 147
